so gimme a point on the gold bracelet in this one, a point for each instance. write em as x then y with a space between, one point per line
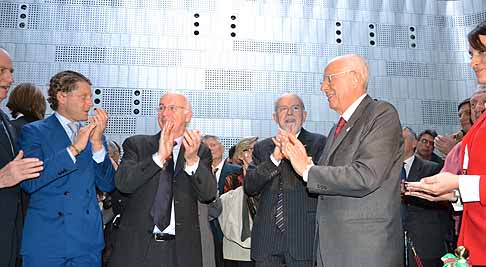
75 149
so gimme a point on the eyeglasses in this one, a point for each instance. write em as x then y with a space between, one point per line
285 109
425 141
328 78
171 108
4 70
477 53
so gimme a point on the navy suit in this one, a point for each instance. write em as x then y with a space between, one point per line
11 213
63 218
263 178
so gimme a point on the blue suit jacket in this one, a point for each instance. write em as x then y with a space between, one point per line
63 218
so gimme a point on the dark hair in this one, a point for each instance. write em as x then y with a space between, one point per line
231 151
27 99
473 37
430 132
65 81
464 102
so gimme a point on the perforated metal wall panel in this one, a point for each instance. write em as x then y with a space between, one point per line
234 58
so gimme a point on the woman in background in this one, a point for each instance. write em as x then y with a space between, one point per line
27 104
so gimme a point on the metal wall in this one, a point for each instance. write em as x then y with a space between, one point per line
233 58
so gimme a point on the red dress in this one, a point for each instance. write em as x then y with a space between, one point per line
473 229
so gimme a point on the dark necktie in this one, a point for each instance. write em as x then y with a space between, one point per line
215 171
5 138
403 173
161 208
279 208
339 127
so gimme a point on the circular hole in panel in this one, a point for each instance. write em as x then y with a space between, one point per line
136 102
338 23
136 111
196 24
136 92
371 26
233 17
196 32
97 101
338 32
372 42
233 26
338 40
196 15
23 16
412 29
97 91
23 7
372 34
22 25
233 34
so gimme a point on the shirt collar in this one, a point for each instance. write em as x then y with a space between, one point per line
351 109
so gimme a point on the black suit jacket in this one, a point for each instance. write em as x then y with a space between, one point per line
300 207
138 175
429 224
20 122
11 215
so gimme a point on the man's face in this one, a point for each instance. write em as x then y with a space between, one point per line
75 105
425 145
338 87
465 116
478 61
409 142
6 74
477 106
217 149
290 114
174 108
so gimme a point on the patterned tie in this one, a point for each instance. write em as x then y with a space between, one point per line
279 209
339 127
74 130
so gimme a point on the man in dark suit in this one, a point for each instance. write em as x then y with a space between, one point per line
63 213
428 224
358 175
165 174
286 239
220 169
13 170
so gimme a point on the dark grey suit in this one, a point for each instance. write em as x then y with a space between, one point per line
429 224
138 175
263 178
358 179
10 208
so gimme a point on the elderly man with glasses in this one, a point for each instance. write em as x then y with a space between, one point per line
165 176
357 178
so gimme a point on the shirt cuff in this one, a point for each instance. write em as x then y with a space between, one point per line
192 168
156 159
276 162
99 156
469 188
306 172
457 206
73 158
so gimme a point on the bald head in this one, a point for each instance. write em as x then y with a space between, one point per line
6 73
174 107
345 80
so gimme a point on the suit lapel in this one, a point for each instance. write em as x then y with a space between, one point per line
8 144
348 126
415 170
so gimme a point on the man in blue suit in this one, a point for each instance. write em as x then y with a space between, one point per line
63 224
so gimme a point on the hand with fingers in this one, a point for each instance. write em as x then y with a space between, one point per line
20 169
278 141
192 141
295 151
82 138
99 120
434 188
166 141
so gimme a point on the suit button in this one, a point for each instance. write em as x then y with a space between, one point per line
87 211
60 214
66 193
